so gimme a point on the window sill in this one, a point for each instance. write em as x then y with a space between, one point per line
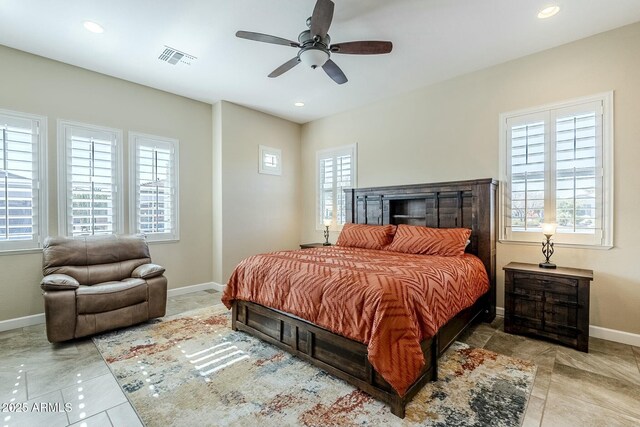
20 251
557 245
162 241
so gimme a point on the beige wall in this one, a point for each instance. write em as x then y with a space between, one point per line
449 131
41 86
257 212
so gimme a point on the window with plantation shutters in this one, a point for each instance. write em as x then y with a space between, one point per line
557 166
336 171
90 175
22 193
154 186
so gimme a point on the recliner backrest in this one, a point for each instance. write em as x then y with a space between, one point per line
95 259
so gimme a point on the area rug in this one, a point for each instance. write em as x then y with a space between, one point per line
192 369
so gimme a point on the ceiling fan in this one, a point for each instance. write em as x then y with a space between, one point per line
315 44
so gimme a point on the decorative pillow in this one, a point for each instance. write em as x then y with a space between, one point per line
412 239
366 236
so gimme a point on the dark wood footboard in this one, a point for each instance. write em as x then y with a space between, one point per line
345 358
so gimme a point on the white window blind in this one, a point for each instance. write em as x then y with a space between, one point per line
154 186
90 168
22 195
336 171
558 167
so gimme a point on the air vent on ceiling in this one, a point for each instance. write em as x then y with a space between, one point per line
174 56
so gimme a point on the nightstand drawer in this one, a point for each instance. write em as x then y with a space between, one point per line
560 284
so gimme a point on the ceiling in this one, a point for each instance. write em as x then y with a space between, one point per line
433 40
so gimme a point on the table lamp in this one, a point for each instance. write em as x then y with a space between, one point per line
327 223
548 229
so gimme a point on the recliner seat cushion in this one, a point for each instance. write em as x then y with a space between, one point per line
110 296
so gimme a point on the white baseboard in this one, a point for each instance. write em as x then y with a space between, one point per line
21 322
218 287
500 311
193 288
36 319
614 335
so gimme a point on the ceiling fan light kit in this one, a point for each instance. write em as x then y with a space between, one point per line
315 44
313 57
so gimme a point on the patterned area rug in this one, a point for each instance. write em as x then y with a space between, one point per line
192 369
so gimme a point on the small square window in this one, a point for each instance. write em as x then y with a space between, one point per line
270 161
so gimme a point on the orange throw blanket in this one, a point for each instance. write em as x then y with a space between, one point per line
387 300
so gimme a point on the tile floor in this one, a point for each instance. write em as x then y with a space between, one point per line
601 388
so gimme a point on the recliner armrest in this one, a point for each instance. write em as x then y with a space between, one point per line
147 271
59 282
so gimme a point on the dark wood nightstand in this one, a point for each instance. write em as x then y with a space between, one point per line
313 245
550 303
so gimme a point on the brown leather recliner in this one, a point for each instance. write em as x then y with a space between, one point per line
98 283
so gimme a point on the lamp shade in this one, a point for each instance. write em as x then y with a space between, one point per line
549 228
314 57
327 222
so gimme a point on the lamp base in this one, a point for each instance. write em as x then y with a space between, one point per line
546 265
326 244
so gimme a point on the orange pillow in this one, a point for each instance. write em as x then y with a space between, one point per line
412 239
366 236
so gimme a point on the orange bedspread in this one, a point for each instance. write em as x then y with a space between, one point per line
387 300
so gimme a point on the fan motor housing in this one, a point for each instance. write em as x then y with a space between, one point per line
306 40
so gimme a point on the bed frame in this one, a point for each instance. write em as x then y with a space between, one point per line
469 204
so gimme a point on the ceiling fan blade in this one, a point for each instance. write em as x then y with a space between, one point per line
266 38
333 71
285 67
362 48
321 18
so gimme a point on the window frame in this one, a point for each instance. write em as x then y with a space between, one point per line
607 171
265 168
133 137
42 214
351 149
63 208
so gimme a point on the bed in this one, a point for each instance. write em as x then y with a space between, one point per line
390 369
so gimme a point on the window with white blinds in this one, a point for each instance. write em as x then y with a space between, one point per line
23 199
154 186
336 171
90 176
557 166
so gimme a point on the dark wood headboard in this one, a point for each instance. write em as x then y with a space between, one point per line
469 204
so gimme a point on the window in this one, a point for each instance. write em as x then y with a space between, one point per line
557 166
154 186
89 177
23 198
270 160
336 171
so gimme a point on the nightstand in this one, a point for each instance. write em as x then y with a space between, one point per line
313 245
549 303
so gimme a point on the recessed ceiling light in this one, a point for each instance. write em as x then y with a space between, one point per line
299 104
93 27
548 12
